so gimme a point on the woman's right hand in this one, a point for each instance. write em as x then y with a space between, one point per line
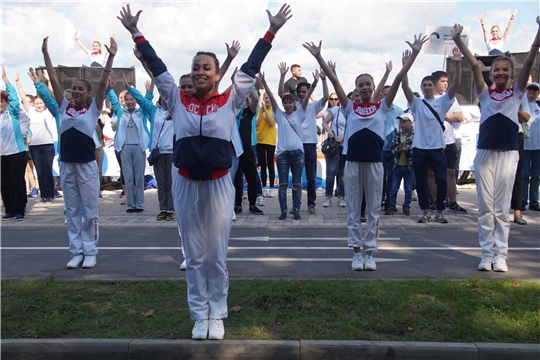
128 20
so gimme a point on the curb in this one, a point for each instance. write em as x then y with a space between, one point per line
137 349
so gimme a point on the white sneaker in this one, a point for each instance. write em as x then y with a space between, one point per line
499 263
233 216
341 202
260 201
327 202
265 193
75 261
370 263
89 261
271 193
200 330
216 331
485 263
357 263
65 221
183 265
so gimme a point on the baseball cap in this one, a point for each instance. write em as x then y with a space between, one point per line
533 84
406 116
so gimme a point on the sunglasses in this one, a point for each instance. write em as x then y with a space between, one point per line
334 99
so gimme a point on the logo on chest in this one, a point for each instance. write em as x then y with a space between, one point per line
73 112
500 95
206 109
365 110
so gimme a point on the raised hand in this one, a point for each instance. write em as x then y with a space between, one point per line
405 56
112 81
233 50
126 84
76 35
112 47
278 20
312 48
128 20
147 84
456 31
4 77
322 74
481 17
514 13
389 66
418 42
456 54
45 74
45 46
283 68
332 66
316 77
258 81
16 78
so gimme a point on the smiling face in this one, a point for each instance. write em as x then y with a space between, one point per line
267 102
288 105
495 32
96 46
532 93
204 74
39 104
130 102
365 87
502 73
80 93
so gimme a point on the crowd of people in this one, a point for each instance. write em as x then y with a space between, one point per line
203 143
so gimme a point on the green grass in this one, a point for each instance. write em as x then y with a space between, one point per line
406 310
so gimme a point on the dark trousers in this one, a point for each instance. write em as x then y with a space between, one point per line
13 187
388 169
310 164
265 153
43 157
246 167
437 161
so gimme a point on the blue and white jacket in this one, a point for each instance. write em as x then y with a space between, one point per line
13 127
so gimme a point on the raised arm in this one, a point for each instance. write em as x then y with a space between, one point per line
104 80
316 52
269 93
53 77
477 72
326 94
282 71
326 124
232 51
382 83
22 93
507 31
409 95
528 63
143 63
13 102
485 30
456 81
76 36
316 77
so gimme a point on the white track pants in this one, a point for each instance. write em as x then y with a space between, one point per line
80 185
203 210
494 172
365 176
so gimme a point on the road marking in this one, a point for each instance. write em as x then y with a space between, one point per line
268 238
310 259
455 248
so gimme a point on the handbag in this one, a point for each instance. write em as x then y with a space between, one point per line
526 130
330 146
154 154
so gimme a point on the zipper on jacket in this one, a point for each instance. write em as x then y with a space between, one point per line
200 125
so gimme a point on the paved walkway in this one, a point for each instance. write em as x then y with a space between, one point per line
114 215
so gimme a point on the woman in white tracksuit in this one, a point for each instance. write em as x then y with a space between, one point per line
497 155
203 193
78 166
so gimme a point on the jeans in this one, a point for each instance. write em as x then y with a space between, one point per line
310 159
402 172
531 166
436 159
43 156
335 165
388 166
293 159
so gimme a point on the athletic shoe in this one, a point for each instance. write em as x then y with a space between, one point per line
296 215
58 195
327 202
170 217
357 263
391 210
499 263
255 210
216 331
33 193
75 261
407 211
485 263
534 207
89 261
283 216
455 207
50 200
130 210
162 216
370 263
311 209
42 201
233 216
200 330
260 201
238 209
439 217
139 210
341 202
8 216
122 194
271 193
19 217
265 193
425 218
123 202
65 221
183 265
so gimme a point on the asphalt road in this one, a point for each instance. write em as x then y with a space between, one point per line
147 254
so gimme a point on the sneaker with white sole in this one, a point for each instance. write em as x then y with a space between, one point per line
261 201
75 261
341 202
233 216
369 263
357 263
327 202
216 331
425 218
486 263
499 263
439 217
200 330
183 265
271 193
89 261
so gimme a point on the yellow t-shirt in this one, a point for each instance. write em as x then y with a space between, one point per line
266 134
402 160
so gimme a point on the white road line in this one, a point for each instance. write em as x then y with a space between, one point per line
309 259
455 248
268 238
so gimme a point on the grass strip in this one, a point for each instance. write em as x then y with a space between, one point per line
470 310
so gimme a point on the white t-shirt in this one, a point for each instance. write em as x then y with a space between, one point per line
43 127
428 134
309 121
288 137
533 143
